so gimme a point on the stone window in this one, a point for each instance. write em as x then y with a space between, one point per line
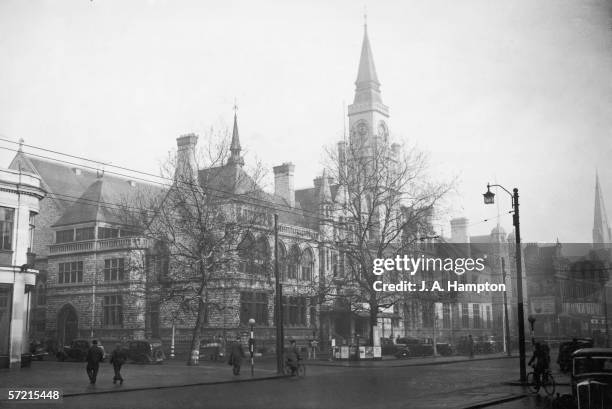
254 305
476 315
86 233
307 263
69 273
107 233
113 269
6 227
446 315
113 310
465 316
31 232
254 255
294 311
293 263
282 261
64 236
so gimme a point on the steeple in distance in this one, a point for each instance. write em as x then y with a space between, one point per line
235 157
602 235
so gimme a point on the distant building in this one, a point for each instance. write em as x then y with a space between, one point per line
20 194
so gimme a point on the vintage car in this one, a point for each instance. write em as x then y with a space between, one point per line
409 347
38 350
592 378
388 347
77 350
145 351
566 349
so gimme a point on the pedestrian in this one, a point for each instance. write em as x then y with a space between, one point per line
94 356
313 349
236 355
471 346
118 358
293 357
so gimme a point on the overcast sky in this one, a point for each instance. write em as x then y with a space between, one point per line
518 92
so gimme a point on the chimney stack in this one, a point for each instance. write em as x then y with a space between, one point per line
186 166
283 182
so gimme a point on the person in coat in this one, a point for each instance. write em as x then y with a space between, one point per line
236 355
118 358
471 346
94 357
293 357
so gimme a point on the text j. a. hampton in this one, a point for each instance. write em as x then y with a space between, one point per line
456 286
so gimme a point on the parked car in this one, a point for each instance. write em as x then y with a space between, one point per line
408 347
592 378
388 347
145 351
566 349
443 348
77 350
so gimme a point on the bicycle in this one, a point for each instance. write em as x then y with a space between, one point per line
300 371
547 382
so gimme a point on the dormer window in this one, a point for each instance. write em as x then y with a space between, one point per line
64 236
86 233
107 233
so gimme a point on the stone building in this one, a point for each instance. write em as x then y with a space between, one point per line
20 194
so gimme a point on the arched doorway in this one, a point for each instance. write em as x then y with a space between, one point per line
67 325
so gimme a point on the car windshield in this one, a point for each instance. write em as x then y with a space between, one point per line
590 364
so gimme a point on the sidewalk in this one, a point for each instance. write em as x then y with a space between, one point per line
391 361
72 379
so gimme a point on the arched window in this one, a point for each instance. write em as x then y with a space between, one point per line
282 261
254 255
261 256
293 263
307 264
245 249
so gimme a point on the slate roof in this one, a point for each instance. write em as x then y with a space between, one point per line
84 195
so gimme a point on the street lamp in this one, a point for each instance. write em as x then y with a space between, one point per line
489 198
252 345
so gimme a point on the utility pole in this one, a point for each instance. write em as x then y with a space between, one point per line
519 285
506 320
279 305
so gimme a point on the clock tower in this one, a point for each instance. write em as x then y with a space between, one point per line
367 114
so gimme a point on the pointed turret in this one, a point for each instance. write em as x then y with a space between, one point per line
235 157
324 191
602 236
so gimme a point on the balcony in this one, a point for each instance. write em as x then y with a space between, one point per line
299 232
120 243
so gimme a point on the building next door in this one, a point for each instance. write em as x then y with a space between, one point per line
6 301
67 325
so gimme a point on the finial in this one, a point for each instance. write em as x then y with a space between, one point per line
235 106
365 16
20 145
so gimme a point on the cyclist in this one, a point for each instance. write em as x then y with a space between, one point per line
542 360
293 357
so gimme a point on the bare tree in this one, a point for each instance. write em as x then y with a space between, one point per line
196 224
386 204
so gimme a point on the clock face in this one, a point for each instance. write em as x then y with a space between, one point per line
383 131
362 128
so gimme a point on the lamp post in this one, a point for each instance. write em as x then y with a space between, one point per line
489 198
252 345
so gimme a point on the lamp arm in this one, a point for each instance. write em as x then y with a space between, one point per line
505 190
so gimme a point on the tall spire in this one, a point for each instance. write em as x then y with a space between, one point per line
325 191
367 86
235 157
602 236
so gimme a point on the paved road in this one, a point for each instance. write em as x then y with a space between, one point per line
453 385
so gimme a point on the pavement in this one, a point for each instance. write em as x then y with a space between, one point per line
436 383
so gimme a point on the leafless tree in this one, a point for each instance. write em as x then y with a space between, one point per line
196 224
385 202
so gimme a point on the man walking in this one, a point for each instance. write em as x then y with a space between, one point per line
236 355
94 356
118 358
471 346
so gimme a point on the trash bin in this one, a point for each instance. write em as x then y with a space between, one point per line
26 360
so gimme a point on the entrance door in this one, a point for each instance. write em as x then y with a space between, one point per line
67 325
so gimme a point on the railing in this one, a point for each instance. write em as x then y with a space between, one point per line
99 245
298 231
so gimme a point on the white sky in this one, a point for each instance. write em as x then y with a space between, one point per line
517 92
